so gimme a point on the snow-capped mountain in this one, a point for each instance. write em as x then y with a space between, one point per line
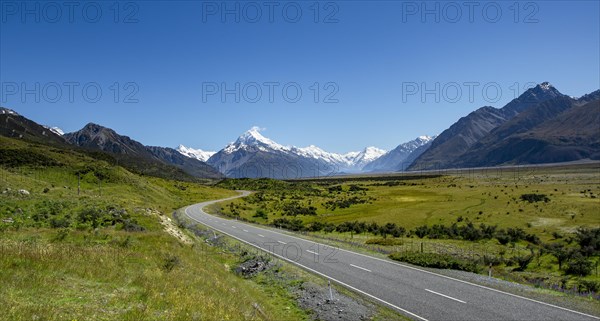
253 155
56 130
198 154
366 156
400 157
6 111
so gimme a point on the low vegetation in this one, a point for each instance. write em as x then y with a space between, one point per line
536 226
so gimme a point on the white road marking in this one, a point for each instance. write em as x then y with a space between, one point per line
282 242
261 235
362 268
309 251
245 231
445 296
233 226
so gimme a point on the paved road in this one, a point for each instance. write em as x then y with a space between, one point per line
419 294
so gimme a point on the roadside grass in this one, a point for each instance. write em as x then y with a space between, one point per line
154 278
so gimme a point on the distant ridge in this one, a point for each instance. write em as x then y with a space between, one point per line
96 137
448 150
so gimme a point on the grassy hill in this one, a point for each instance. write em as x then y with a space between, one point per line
103 254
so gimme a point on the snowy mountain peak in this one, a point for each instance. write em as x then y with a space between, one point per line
425 138
400 157
8 111
371 153
546 85
253 137
195 153
57 131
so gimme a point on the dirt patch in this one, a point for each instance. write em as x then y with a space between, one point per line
546 221
174 230
169 226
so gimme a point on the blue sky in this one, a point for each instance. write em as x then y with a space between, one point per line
161 66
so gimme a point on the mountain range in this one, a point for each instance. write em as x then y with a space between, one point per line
253 155
540 126
505 136
104 143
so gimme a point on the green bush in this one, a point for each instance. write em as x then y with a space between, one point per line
434 260
385 241
60 222
531 198
579 265
260 212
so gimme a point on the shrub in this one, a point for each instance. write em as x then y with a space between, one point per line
589 286
315 226
356 188
92 216
384 241
261 213
532 198
295 208
170 262
293 224
131 225
61 235
589 241
579 265
434 260
522 262
59 222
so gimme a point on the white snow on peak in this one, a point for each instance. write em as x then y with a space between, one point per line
315 152
371 153
195 153
57 131
546 85
254 140
7 111
253 137
358 159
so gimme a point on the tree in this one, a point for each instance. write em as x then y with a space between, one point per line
560 252
579 265
589 241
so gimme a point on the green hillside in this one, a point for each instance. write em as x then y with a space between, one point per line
103 254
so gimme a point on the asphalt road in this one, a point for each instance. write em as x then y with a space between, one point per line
419 294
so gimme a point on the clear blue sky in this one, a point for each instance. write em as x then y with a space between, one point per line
173 52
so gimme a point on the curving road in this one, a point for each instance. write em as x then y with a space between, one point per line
419 294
